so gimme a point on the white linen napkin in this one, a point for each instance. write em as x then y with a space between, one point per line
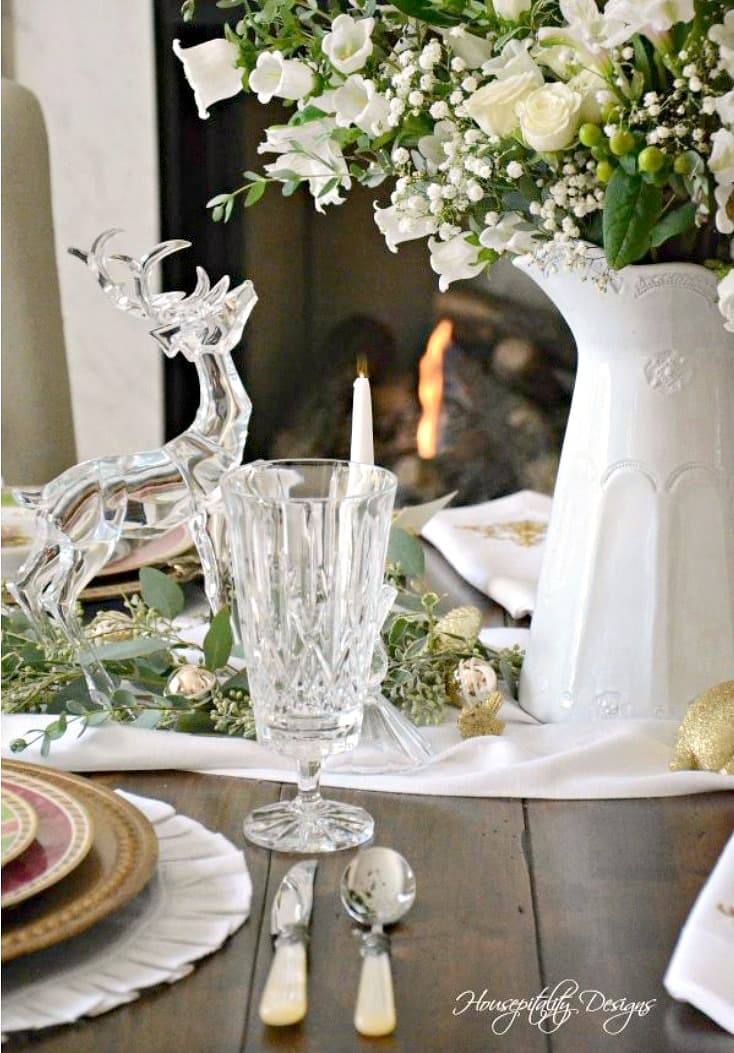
701 970
599 760
496 546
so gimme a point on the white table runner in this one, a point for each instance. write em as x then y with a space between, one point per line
604 759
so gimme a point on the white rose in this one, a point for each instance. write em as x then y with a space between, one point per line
625 18
726 300
504 236
494 107
585 33
211 70
725 108
594 92
278 77
454 259
473 50
397 225
723 36
721 161
513 59
308 151
511 9
358 103
550 116
349 44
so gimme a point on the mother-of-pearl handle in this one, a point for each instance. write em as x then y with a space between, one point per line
284 999
374 1014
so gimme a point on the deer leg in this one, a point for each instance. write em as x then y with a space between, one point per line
202 527
39 571
64 604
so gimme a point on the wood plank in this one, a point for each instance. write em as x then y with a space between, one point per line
470 928
614 882
205 1012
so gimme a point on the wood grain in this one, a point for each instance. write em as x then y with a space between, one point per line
511 896
613 884
471 927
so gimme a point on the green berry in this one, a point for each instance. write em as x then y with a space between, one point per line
682 164
651 159
600 152
604 171
621 143
590 134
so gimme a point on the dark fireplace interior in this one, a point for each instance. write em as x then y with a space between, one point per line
495 383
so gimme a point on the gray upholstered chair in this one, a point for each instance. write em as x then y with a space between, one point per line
37 425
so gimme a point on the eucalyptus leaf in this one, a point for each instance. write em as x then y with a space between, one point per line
136 647
196 723
406 550
238 682
161 593
94 720
218 641
149 718
124 699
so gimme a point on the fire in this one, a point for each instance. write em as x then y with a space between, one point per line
430 388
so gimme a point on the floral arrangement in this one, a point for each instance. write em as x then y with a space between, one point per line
504 126
165 681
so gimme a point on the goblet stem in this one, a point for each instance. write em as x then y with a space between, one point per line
309 793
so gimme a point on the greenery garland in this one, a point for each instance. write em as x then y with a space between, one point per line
164 681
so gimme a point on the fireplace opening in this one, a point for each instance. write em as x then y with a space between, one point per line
470 388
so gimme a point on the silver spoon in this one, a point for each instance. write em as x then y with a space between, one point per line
377 888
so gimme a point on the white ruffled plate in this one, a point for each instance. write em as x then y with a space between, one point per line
201 889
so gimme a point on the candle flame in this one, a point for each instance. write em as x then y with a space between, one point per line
362 366
430 388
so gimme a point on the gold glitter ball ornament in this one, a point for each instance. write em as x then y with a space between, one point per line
473 680
706 735
481 719
459 629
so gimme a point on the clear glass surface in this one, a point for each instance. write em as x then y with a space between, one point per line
308 543
130 509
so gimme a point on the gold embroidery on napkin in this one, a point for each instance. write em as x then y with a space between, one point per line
524 532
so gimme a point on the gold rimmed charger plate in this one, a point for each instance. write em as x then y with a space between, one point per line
119 864
20 823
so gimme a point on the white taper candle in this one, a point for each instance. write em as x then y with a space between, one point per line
362 450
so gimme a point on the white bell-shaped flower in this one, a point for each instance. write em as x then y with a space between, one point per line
211 71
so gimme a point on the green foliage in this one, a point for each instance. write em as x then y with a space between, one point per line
631 210
674 224
218 641
44 678
161 593
406 552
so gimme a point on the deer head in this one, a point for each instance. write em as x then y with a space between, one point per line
208 321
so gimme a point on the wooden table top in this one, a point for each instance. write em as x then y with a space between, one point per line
514 897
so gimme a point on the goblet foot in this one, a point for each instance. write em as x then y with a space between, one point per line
320 826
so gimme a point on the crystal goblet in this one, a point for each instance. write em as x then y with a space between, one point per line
308 542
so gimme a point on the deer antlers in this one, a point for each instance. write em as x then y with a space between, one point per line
166 309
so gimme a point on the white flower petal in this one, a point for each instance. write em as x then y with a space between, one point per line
211 71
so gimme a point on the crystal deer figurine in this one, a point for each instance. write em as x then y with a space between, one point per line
110 508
